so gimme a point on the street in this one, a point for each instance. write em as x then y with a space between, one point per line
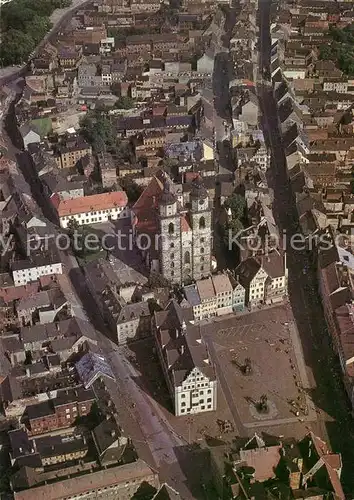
153 437
329 394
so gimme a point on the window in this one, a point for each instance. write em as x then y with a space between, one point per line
172 273
172 245
202 223
172 256
201 250
171 228
187 258
172 264
209 400
183 403
201 259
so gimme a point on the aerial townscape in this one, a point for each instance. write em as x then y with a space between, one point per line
177 249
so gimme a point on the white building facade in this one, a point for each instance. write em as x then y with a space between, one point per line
94 209
196 394
26 273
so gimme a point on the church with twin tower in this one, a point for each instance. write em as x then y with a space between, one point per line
185 252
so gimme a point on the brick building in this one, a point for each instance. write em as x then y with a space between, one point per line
59 412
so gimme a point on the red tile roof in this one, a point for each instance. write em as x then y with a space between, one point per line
92 203
145 206
185 227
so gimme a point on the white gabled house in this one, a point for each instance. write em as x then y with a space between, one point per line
189 374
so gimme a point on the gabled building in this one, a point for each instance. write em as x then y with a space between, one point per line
214 296
109 441
264 278
188 372
59 412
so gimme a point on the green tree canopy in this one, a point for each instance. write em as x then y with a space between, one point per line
341 50
237 203
15 47
23 24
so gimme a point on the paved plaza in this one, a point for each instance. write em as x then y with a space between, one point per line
268 341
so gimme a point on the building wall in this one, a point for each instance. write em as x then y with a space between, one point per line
82 219
70 158
257 287
202 238
137 328
64 416
238 298
206 309
294 73
109 177
119 491
57 459
276 290
72 193
197 394
24 276
170 250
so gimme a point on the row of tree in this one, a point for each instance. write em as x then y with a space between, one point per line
23 24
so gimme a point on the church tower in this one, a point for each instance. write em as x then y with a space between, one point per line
202 241
170 236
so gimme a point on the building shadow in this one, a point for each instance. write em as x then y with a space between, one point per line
118 244
151 379
195 463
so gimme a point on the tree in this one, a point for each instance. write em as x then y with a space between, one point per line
237 203
16 46
38 28
99 131
132 189
96 127
72 226
230 229
23 23
124 103
341 48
